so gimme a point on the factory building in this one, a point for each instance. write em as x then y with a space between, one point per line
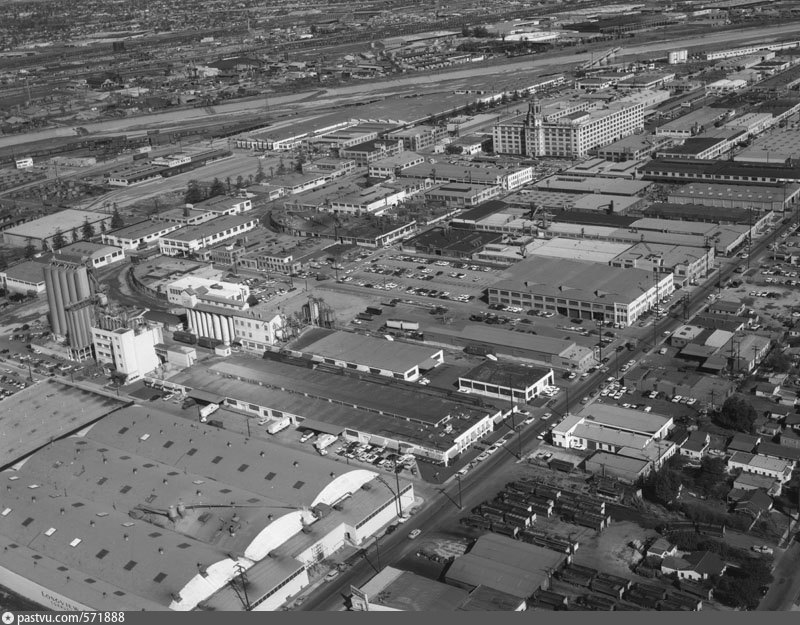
357 409
180 514
129 351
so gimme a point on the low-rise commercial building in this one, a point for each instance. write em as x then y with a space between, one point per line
585 290
762 199
92 254
553 352
190 239
392 166
25 278
370 151
459 195
139 235
358 409
757 464
506 380
419 138
633 434
402 361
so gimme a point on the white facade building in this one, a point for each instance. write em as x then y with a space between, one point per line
570 135
190 239
131 352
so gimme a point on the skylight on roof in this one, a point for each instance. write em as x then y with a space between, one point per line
5 512
144 437
50 532
75 542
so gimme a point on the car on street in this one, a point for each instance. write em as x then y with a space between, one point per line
414 533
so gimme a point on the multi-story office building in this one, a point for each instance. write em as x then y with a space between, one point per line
570 135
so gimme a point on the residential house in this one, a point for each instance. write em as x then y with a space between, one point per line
661 549
743 442
695 566
766 389
696 445
790 438
753 503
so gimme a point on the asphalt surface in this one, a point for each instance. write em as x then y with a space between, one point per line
785 590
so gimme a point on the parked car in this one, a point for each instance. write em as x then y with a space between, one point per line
414 533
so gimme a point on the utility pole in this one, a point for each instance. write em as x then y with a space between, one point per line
397 480
458 479
377 552
599 342
750 236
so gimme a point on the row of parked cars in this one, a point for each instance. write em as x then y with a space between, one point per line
376 456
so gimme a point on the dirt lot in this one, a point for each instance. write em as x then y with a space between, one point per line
609 552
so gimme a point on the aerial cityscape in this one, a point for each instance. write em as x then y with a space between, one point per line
400 306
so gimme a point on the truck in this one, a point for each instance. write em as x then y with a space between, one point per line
364 316
323 442
373 310
400 324
207 411
276 425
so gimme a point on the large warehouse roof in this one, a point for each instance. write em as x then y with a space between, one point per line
145 502
370 351
46 411
64 220
577 280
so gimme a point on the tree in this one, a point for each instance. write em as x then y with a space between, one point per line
301 160
103 228
737 414
186 210
194 193
228 184
59 240
281 167
239 182
87 230
662 486
260 175
453 149
75 237
712 474
116 219
217 188
778 361
30 250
